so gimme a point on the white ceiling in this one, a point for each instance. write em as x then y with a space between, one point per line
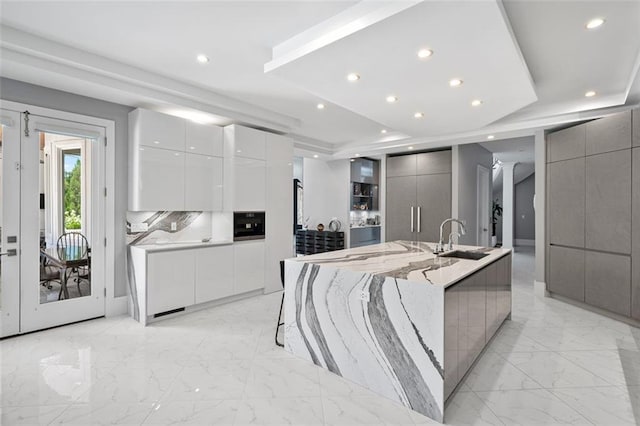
143 54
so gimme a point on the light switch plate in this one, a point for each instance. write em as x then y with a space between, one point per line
139 227
174 226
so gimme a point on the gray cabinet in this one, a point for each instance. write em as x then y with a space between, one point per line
491 319
434 201
609 133
473 312
402 165
364 236
608 202
566 272
401 201
418 195
566 144
636 127
566 202
433 162
365 170
635 278
608 282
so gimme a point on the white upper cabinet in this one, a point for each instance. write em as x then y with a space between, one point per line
150 128
157 180
249 185
204 139
245 142
203 183
174 164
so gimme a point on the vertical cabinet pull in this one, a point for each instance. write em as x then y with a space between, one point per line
411 218
419 211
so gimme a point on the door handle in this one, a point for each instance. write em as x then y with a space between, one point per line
10 252
411 218
419 220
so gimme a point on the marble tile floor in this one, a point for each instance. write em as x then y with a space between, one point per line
553 363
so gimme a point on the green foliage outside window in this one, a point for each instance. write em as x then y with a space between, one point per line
73 197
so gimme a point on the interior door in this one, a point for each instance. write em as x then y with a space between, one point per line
9 223
483 205
38 206
401 208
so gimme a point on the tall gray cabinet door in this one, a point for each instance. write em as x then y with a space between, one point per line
609 134
402 165
608 282
566 272
492 301
401 198
635 278
608 202
434 199
566 192
566 144
433 162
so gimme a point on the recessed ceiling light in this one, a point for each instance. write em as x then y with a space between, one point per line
192 147
315 155
320 106
490 137
410 148
203 59
594 23
418 115
352 160
383 131
357 155
156 142
424 53
353 77
177 154
455 82
239 150
476 102
590 94
391 99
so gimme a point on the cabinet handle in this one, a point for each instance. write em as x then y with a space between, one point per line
411 218
419 214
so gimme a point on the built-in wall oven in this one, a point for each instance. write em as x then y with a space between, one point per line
248 226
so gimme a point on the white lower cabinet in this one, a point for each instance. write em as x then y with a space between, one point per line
170 280
248 265
214 273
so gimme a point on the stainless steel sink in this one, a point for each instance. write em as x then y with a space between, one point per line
461 254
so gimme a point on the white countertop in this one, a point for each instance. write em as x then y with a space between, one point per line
172 245
365 226
412 261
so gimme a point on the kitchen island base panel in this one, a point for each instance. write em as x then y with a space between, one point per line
408 340
391 344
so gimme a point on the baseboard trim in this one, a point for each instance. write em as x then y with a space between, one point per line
596 310
523 242
540 288
116 306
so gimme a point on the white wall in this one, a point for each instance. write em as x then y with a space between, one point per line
17 91
326 192
465 167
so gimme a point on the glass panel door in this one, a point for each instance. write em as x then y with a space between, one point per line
52 265
60 202
9 222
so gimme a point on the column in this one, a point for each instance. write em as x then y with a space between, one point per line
507 204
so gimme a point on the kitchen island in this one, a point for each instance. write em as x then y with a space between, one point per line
396 318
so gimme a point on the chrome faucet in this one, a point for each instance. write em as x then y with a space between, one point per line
451 239
440 246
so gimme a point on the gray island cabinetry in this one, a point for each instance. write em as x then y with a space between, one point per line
396 318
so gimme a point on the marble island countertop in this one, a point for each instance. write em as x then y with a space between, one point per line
412 261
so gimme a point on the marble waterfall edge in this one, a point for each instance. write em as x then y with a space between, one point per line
384 333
